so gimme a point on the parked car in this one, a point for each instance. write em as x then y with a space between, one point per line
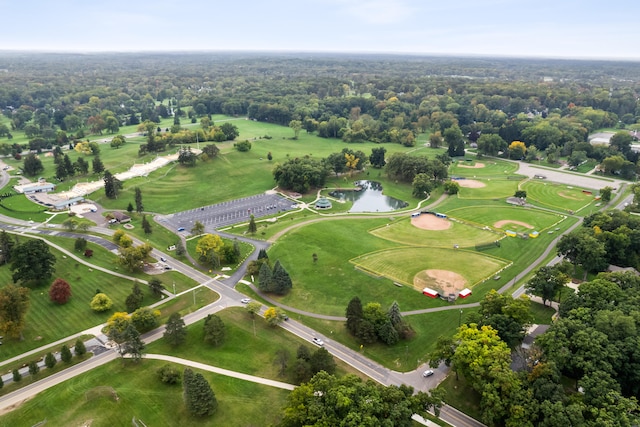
181 229
427 373
245 300
317 341
163 259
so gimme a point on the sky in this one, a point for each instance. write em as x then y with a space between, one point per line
535 28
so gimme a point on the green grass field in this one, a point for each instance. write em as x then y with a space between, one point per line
403 264
482 168
87 399
557 196
490 215
494 188
402 231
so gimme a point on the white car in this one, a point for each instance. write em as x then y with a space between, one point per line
317 341
245 300
427 373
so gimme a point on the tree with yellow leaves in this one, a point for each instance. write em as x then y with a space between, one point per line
352 162
517 150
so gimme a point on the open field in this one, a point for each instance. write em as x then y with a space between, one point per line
242 350
480 168
141 395
506 217
494 188
557 196
402 231
403 264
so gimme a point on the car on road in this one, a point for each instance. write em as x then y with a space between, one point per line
163 259
181 229
427 373
317 341
245 300
285 317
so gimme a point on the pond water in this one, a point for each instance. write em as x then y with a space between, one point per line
368 197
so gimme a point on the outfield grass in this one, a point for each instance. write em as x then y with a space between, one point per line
141 395
402 231
491 168
488 215
494 188
402 264
557 196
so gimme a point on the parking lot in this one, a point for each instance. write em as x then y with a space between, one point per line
231 212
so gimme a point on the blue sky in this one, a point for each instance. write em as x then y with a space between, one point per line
537 28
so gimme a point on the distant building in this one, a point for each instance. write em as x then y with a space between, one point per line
120 217
42 186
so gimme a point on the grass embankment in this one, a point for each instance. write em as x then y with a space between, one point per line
88 399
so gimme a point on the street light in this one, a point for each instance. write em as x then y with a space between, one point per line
460 318
174 288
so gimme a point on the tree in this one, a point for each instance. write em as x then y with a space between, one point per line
318 403
61 171
253 307
132 257
130 208
208 246
134 300
354 315
50 360
98 166
33 368
242 146
79 348
65 354
280 279
17 376
230 131
145 319
156 287
605 194
199 398
454 140
14 303
80 244
111 185
422 186
547 282
101 302
6 246
198 228
214 330
300 174
186 156
322 360
274 316
118 141
60 291
138 200
133 344
146 225
32 262
282 360
168 374
32 166
175 333
377 157
264 277
451 187
296 126
211 150
517 150
583 249
491 144
252 225
435 140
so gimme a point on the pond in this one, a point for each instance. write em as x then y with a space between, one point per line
368 197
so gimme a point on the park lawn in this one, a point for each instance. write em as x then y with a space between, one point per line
160 237
461 395
187 302
249 346
587 166
87 398
494 188
489 215
403 356
106 259
20 207
463 235
542 314
47 322
403 264
491 168
557 196
245 250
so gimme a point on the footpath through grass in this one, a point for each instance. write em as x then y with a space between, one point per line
91 399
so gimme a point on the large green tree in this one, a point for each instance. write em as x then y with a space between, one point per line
199 398
175 332
32 165
214 330
32 261
14 303
112 185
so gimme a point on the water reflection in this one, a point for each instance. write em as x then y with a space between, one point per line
368 197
